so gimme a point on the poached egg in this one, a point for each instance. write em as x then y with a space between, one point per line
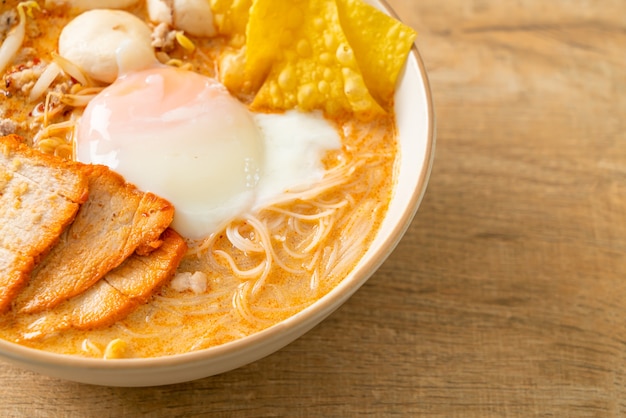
181 135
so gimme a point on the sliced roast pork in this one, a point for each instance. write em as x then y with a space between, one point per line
39 197
116 295
116 220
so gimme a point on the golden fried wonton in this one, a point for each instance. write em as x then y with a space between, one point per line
334 55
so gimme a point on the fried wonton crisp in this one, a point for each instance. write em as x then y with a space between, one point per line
340 56
380 43
302 55
231 19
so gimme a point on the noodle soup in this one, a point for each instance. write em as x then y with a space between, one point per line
255 271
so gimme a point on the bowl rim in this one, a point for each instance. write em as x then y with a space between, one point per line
297 324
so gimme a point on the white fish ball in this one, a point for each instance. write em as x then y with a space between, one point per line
93 39
160 11
194 17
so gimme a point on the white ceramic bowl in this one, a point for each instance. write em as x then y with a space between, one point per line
415 122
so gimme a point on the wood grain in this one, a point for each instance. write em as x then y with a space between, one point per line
507 296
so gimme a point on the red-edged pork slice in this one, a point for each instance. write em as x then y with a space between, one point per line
116 295
116 220
39 196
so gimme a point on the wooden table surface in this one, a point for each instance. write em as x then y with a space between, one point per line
507 296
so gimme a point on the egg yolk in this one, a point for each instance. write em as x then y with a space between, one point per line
180 135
